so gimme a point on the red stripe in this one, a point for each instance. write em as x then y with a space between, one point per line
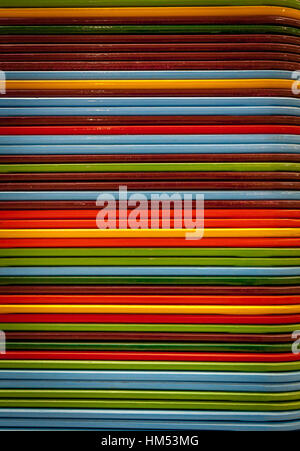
91 224
146 356
152 130
146 319
148 299
152 185
91 214
149 242
128 38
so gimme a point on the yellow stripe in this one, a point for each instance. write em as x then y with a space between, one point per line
182 11
149 84
146 233
201 309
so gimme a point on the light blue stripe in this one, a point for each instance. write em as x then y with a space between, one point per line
92 195
123 425
112 149
147 414
148 271
149 139
144 385
147 101
148 75
151 111
179 376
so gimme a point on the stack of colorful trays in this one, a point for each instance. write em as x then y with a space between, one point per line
142 328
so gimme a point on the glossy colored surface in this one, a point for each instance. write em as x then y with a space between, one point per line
149 261
268 379
28 49
150 65
150 252
211 328
150 289
153 365
148 242
152 167
208 214
146 120
255 92
134 404
188 157
152 309
144 233
236 204
150 336
147 29
118 3
152 101
165 11
161 185
147 299
144 425
150 38
257 19
146 280
155 394
107 346
147 319
154 130
159 356
204 327
146 84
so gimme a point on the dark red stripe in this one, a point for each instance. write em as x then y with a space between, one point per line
151 65
146 120
141 185
150 336
149 47
154 290
146 38
253 92
149 56
118 177
73 204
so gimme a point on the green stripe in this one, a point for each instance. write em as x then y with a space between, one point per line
149 261
209 328
134 404
138 3
148 365
146 29
150 252
152 394
148 167
155 346
150 280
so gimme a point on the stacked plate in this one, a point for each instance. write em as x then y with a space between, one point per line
156 325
